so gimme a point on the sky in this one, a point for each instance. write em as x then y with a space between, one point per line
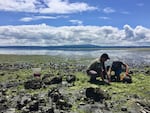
71 22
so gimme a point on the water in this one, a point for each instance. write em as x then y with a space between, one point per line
131 56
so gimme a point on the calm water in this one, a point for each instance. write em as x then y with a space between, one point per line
131 56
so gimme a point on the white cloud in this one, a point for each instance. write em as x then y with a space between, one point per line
108 10
45 6
47 35
129 32
27 19
76 22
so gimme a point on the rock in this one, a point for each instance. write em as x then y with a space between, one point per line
12 83
33 84
63 105
3 91
10 110
3 106
48 80
96 94
42 101
136 96
25 110
56 80
123 108
3 99
144 103
47 110
70 78
59 99
93 108
22 102
34 106
147 72
2 73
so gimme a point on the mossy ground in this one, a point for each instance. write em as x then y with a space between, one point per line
120 92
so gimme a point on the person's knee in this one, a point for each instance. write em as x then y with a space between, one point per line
92 73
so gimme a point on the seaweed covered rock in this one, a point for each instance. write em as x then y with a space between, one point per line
96 94
51 79
59 100
33 84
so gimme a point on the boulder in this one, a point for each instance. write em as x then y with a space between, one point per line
96 94
33 84
48 80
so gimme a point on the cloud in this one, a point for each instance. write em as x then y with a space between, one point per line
76 22
28 19
108 10
45 6
45 35
129 32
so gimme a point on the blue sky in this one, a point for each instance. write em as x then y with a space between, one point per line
65 22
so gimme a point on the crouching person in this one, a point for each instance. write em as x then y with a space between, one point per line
120 70
97 69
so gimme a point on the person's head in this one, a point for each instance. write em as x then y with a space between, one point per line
104 57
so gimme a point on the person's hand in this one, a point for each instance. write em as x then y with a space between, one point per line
127 74
106 81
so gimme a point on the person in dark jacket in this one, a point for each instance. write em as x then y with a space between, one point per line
118 67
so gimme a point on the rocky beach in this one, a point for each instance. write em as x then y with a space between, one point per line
74 56
62 87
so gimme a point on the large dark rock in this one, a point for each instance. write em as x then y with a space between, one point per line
96 94
48 80
56 80
33 84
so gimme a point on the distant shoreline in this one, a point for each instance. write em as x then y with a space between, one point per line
76 47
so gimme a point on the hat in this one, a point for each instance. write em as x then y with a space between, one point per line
105 55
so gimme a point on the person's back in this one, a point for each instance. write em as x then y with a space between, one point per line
96 66
117 67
